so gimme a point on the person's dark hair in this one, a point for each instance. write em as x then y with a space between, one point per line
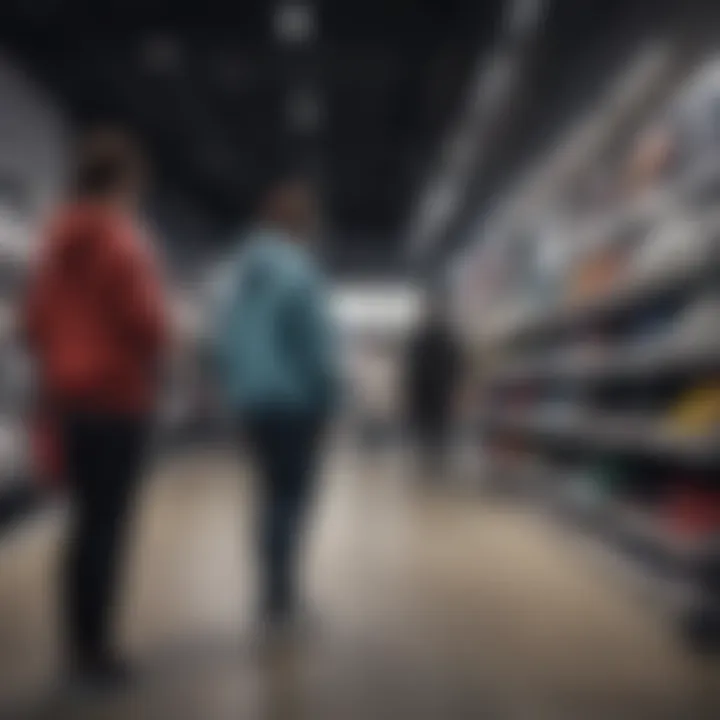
107 161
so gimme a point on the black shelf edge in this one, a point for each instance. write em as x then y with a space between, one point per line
609 433
626 363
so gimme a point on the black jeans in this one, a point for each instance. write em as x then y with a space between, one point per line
285 450
103 456
431 437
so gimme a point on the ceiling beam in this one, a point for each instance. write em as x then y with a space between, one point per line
490 94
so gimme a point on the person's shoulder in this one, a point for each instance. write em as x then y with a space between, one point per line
71 228
304 266
73 218
94 223
125 243
294 262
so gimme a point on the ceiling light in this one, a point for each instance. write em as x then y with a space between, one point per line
294 23
524 17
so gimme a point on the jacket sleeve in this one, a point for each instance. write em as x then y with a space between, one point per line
219 313
316 340
136 297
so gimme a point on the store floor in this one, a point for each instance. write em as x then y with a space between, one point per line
431 604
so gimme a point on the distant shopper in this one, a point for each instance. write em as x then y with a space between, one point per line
95 321
433 373
278 365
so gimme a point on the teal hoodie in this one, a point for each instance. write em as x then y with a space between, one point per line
273 336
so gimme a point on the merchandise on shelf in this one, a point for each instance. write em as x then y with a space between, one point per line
692 119
586 490
596 274
697 411
610 474
672 243
699 323
651 328
620 294
692 510
588 347
650 159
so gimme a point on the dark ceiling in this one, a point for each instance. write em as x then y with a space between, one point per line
219 100
210 88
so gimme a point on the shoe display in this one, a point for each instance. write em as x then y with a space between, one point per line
596 275
667 246
692 511
697 411
617 378
698 324
653 331
584 492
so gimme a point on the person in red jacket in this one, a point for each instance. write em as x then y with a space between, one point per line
95 323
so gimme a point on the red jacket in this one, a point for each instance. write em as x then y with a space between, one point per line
95 316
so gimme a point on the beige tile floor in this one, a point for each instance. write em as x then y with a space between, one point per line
432 604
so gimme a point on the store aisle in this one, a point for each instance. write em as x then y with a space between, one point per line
433 604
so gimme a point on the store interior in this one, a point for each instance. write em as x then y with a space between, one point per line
556 175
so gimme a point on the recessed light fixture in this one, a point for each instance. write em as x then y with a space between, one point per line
524 16
294 23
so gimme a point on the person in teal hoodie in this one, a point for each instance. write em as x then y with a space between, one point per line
278 369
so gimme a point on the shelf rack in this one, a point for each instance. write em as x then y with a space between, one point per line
545 346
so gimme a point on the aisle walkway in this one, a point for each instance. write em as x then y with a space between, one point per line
434 605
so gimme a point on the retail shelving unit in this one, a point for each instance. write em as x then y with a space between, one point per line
18 492
603 402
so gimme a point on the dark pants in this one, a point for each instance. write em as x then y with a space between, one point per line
285 449
103 456
431 437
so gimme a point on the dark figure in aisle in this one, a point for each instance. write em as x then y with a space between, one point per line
433 374
95 322
276 356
